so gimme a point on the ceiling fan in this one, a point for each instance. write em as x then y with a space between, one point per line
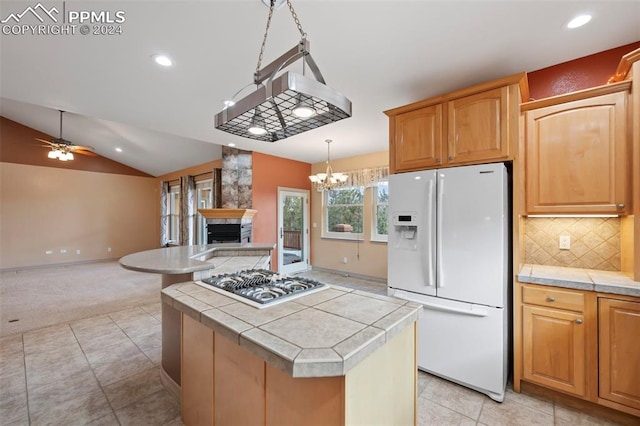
63 149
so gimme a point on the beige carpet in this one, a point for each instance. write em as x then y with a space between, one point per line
41 297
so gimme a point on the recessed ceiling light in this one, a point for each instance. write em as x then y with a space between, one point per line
118 149
231 144
578 21
163 60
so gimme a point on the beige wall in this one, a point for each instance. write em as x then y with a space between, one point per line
46 208
363 257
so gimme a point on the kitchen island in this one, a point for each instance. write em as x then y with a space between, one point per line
336 356
185 263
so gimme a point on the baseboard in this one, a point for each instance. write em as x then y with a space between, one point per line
57 265
349 274
578 404
170 385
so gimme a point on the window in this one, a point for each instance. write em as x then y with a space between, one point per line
204 200
173 201
380 199
343 213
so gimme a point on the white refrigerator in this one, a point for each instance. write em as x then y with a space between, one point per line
448 250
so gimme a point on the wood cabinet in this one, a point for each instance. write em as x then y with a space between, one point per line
577 152
477 128
471 126
580 343
554 339
619 349
418 139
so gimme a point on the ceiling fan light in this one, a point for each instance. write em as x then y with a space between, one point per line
52 154
63 157
69 155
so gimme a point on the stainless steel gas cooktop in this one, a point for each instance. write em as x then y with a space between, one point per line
261 288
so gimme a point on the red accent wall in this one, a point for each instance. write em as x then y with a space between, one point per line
582 73
18 145
269 173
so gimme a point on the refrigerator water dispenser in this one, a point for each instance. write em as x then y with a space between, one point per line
405 229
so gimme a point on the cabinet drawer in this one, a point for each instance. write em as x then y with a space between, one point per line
553 298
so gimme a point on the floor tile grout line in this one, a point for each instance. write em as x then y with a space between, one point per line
95 376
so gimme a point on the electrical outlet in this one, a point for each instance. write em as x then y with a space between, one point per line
109 249
48 252
77 251
63 251
565 242
344 259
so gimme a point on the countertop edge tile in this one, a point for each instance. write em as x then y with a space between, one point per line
359 346
611 282
257 342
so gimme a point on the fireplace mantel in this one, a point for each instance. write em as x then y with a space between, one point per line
227 213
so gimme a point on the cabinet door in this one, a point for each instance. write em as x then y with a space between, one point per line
477 127
619 346
418 139
576 156
554 349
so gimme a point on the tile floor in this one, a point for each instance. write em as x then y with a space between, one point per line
104 370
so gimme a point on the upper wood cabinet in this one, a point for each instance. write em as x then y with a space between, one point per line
577 152
477 129
471 126
418 138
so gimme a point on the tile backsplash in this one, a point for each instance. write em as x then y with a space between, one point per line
595 242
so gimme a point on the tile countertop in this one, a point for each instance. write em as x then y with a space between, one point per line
186 259
580 279
322 334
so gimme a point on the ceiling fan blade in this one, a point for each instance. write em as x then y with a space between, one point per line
87 153
81 147
46 141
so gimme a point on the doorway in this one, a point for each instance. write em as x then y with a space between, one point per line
293 230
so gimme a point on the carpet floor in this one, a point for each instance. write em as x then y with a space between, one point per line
34 298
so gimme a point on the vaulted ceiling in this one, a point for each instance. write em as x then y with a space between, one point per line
380 54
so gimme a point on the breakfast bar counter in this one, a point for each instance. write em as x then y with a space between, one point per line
185 263
336 356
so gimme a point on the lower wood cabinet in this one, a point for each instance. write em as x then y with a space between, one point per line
554 348
580 343
619 350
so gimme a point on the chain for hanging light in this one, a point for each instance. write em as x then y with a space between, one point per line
294 15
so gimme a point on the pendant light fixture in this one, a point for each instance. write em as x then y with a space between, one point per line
284 103
329 179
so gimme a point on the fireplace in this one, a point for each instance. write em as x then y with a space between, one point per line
228 225
228 233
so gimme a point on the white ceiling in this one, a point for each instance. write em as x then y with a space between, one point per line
380 54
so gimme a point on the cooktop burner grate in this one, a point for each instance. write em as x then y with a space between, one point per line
260 287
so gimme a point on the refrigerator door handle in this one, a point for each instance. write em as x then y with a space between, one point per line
427 255
473 312
440 218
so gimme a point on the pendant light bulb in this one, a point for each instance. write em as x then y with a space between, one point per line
257 126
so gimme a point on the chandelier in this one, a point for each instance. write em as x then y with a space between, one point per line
329 179
284 104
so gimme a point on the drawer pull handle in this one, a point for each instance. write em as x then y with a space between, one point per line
579 321
551 299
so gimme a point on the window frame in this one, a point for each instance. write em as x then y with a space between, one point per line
325 217
375 236
173 201
201 221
